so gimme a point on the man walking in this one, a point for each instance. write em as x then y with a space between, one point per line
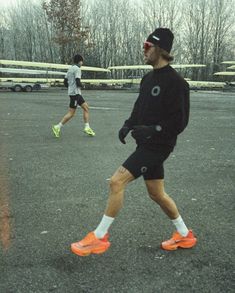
160 113
72 81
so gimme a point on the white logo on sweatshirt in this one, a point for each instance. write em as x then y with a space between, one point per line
144 169
156 90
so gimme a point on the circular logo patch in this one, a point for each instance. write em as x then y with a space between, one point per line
155 91
143 169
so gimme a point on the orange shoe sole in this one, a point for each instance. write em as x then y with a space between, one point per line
183 244
91 250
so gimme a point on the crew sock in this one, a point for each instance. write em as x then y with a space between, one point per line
87 125
103 226
59 125
180 226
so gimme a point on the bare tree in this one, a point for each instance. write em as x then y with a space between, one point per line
111 32
161 14
116 32
223 20
3 32
197 34
66 19
24 37
207 25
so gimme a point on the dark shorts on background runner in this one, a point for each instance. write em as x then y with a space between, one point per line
147 163
75 101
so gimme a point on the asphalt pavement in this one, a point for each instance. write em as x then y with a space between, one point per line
53 191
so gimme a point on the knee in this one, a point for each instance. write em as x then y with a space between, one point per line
115 184
157 196
85 107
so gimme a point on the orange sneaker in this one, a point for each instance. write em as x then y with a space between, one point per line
91 244
179 241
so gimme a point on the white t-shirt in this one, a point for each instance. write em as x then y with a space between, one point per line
73 72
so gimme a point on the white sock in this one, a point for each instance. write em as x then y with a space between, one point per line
180 226
59 125
87 125
103 226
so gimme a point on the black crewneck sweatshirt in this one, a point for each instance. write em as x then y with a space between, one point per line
163 100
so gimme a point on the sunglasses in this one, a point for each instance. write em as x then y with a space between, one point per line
147 46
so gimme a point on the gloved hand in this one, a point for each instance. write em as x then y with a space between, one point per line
123 133
66 82
143 132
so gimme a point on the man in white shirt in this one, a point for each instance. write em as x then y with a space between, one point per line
72 81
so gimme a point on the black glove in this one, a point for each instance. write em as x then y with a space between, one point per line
66 82
143 132
123 133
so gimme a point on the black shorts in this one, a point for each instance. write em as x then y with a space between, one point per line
147 163
75 101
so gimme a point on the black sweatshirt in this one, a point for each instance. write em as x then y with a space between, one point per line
164 101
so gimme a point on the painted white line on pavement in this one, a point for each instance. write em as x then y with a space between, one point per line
102 108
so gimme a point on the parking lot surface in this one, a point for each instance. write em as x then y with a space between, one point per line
53 191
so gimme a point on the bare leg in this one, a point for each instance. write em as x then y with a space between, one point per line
118 183
157 193
85 109
68 116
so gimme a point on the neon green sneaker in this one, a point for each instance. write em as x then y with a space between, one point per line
56 131
89 131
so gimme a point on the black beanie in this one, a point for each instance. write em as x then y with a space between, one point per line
77 58
163 37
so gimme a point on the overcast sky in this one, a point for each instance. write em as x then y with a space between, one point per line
7 3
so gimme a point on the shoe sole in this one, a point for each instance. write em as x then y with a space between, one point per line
90 134
97 250
181 245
